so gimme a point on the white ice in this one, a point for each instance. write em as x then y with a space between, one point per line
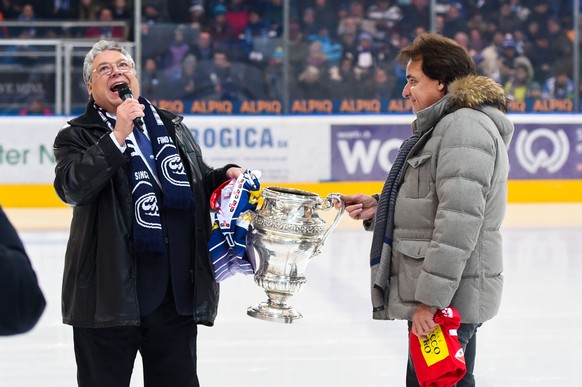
534 341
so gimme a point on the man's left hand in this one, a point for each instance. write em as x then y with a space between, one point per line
423 321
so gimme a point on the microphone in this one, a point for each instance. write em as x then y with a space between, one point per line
125 93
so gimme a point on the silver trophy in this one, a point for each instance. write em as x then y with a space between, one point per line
286 232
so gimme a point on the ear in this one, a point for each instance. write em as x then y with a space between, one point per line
441 86
89 88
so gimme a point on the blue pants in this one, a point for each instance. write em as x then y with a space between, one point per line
468 339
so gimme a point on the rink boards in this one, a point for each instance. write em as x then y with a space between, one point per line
321 153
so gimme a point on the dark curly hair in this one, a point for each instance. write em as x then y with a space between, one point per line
442 58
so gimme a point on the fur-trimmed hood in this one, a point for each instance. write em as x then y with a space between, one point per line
473 92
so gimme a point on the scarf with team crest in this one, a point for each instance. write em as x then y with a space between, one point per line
156 171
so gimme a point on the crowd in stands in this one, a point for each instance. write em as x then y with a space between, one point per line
65 10
234 50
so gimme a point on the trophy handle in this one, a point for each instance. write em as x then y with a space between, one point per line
328 204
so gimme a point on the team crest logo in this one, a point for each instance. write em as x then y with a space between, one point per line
147 212
173 170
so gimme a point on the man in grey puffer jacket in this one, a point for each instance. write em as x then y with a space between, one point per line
436 224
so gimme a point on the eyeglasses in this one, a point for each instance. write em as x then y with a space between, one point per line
105 69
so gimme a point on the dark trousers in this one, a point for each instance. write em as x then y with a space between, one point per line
165 340
468 339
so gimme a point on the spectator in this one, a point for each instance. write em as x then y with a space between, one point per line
274 74
203 50
330 49
521 41
342 78
476 21
315 56
57 9
442 7
227 83
462 39
418 30
121 10
238 81
543 56
325 16
560 86
176 52
23 54
520 8
490 63
439 24
535 90
509 59
105 31
356 11
188 83
88 10
222 34
298 48
10 9
539 14
476 41
415 14
521 85
311 85
151 14
533 29
454 21
36 107
273 15
508 21
309 25
383 84
386 55
26 15
151 82
348 35
237 16
255 26
255 39
559 39
196 17
385 17
365 59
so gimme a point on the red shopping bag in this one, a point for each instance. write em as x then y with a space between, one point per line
439 360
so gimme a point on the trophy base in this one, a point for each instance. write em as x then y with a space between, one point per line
276 313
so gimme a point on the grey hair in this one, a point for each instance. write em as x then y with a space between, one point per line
98 48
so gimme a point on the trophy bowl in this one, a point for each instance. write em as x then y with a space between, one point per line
285 233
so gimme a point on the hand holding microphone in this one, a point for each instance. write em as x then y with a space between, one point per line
124 92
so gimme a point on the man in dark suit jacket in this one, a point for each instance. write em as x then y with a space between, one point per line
138 274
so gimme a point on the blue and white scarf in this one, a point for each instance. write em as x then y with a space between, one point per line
163 177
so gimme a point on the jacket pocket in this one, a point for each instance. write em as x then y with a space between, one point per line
418 176
410 257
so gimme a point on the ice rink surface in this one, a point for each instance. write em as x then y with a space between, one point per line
534 341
